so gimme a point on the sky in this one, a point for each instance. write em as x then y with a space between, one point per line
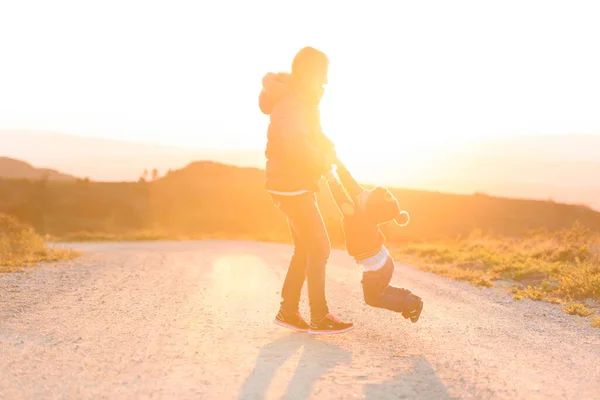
402 73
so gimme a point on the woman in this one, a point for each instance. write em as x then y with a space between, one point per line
298 155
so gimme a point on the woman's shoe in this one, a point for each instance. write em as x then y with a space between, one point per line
329 325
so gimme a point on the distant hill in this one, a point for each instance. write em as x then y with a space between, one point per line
17 169
109 159
564 168
543 162
207 199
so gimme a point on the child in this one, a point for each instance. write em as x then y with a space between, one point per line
362 213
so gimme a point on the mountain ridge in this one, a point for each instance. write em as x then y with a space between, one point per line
561 167
17 169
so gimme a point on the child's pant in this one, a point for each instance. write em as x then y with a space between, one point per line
378 293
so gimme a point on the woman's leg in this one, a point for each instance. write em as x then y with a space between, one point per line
311 253
295 276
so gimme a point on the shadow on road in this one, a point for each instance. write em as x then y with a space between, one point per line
317 358
417 380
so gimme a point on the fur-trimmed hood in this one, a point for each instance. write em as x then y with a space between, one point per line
274 87
277 85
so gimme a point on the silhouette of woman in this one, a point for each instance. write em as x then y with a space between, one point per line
298 155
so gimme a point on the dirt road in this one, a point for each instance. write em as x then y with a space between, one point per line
192 320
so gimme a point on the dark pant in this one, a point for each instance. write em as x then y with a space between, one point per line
311 253
378 293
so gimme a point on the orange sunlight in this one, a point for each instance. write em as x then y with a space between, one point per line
301 200
410 87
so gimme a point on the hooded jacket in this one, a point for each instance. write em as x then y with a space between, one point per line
297 149
360 223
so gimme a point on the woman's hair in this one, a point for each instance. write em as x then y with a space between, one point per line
309 61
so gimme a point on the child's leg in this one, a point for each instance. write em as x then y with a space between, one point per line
378 293
374 284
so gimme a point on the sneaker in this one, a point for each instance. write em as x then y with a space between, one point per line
413 312
329 325
294 322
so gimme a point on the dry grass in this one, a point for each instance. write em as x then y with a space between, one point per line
475 277
20 246
577 309
596 322
562 268
156 235
133 236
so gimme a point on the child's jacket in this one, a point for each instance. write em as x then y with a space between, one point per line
362 235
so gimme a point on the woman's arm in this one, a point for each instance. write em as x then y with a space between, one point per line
352 186
344 203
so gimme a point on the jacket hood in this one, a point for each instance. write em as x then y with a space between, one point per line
378 205
274 87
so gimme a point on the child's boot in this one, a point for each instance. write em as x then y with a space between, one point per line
413 308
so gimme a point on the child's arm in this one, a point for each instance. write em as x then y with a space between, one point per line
351 185
344 203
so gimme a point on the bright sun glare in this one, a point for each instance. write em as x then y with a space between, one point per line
407 79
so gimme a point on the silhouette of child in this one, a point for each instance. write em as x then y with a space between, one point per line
363 211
